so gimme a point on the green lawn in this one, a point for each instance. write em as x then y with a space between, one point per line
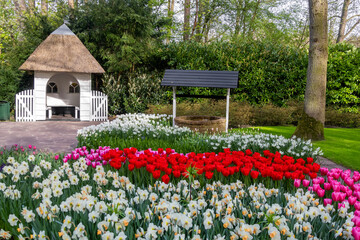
341 145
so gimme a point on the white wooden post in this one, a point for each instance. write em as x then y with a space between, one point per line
227 109
174 105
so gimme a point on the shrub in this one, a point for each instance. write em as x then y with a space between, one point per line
242 113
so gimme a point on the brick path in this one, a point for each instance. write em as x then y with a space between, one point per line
53 136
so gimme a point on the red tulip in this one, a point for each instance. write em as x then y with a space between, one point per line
209 175
254 174
165 179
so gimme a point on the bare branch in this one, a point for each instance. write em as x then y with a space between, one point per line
352 28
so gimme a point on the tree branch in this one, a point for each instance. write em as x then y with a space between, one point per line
357 15
352 28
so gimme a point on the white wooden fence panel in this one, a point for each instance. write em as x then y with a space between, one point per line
99 106
24 108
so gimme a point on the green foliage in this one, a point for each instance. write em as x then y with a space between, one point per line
20 36
119 33
344 77
267 72
8 83
243 113
133 92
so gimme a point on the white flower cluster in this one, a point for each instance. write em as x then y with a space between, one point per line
295 147
136 125
75 202
143 126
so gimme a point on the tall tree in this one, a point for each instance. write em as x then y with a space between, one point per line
44 7
32 5
71 4
186 20
170 16
343 20
311 125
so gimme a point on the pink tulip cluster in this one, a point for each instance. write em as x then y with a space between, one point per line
94 157
343 188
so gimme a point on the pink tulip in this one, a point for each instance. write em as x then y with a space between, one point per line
320 192
335 196
356 233
93 164
30 146
324 171
342 196
352 200
341 205
316 187
56 157
349 192
327 201
356 221
356 177
34 147
327 186
336 175
349 182
357 213
357 205
356 194
316 181
343 188
310 189
322 180
65 160
336 187
297 183
305 182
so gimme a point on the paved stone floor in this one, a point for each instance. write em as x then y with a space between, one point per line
53 136
60 136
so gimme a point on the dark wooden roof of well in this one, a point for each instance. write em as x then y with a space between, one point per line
201 78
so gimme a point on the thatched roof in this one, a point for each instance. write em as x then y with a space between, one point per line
62 51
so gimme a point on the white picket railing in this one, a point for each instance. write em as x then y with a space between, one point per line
99 106
24 108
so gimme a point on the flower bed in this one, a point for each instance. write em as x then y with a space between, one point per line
154 131
146 166
75 201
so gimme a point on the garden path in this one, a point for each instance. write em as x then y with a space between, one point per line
53 136
60 136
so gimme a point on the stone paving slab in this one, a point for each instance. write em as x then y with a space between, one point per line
53 136
60 136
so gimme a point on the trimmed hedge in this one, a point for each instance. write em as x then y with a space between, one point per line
244 114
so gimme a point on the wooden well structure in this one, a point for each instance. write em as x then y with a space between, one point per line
201 78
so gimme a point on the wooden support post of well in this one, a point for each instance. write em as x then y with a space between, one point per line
227 109
174 105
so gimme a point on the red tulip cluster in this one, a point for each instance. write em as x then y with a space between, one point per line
168 163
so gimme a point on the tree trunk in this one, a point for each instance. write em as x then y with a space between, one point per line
199 22
187 20
44 7
237 21
195 26
252 21
32 5
311 125
170 14
343 20
22 5
71 4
